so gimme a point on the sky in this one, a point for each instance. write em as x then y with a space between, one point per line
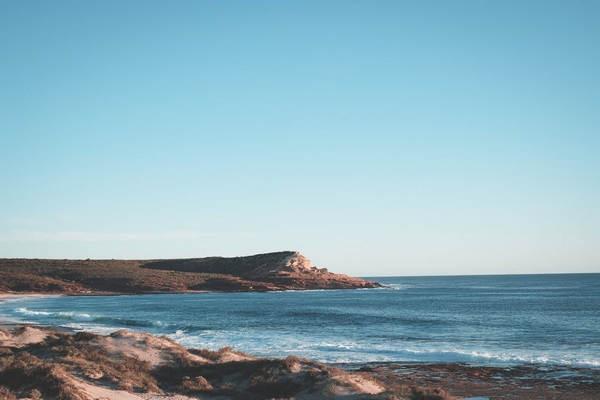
376 137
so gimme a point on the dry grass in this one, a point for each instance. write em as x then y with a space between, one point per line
109 276
114 276
96 363
27 373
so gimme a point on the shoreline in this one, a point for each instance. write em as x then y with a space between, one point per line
10 295
16 296
350 364
526 381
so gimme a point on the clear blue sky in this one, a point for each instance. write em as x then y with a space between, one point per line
396 138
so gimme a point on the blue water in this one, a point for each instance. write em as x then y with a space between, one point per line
498 320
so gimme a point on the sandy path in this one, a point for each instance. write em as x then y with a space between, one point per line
16 296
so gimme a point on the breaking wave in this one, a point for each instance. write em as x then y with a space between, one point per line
85 317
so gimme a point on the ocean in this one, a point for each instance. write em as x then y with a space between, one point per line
482 320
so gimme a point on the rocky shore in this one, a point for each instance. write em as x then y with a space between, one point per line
524 382
283 270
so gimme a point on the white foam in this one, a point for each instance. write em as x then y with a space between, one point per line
25 311
61 314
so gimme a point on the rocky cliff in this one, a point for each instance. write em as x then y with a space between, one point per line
286 269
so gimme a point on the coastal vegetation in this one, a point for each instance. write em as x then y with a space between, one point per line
44 363
261 272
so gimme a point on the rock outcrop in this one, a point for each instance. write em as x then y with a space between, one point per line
285 270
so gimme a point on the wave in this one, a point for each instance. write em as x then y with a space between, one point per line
348 351
60 314
475 356
356 352
85 317
396 286
320 316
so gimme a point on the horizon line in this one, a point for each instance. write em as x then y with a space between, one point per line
493 274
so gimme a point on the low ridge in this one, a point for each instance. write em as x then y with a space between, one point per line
261 272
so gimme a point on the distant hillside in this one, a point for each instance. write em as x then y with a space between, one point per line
261 272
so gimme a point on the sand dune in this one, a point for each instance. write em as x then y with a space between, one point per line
37 361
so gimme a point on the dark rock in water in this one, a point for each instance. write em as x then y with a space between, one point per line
261 272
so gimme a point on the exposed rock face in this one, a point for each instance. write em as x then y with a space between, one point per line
261 272
296 263
139 366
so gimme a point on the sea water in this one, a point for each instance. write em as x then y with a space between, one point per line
493 320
